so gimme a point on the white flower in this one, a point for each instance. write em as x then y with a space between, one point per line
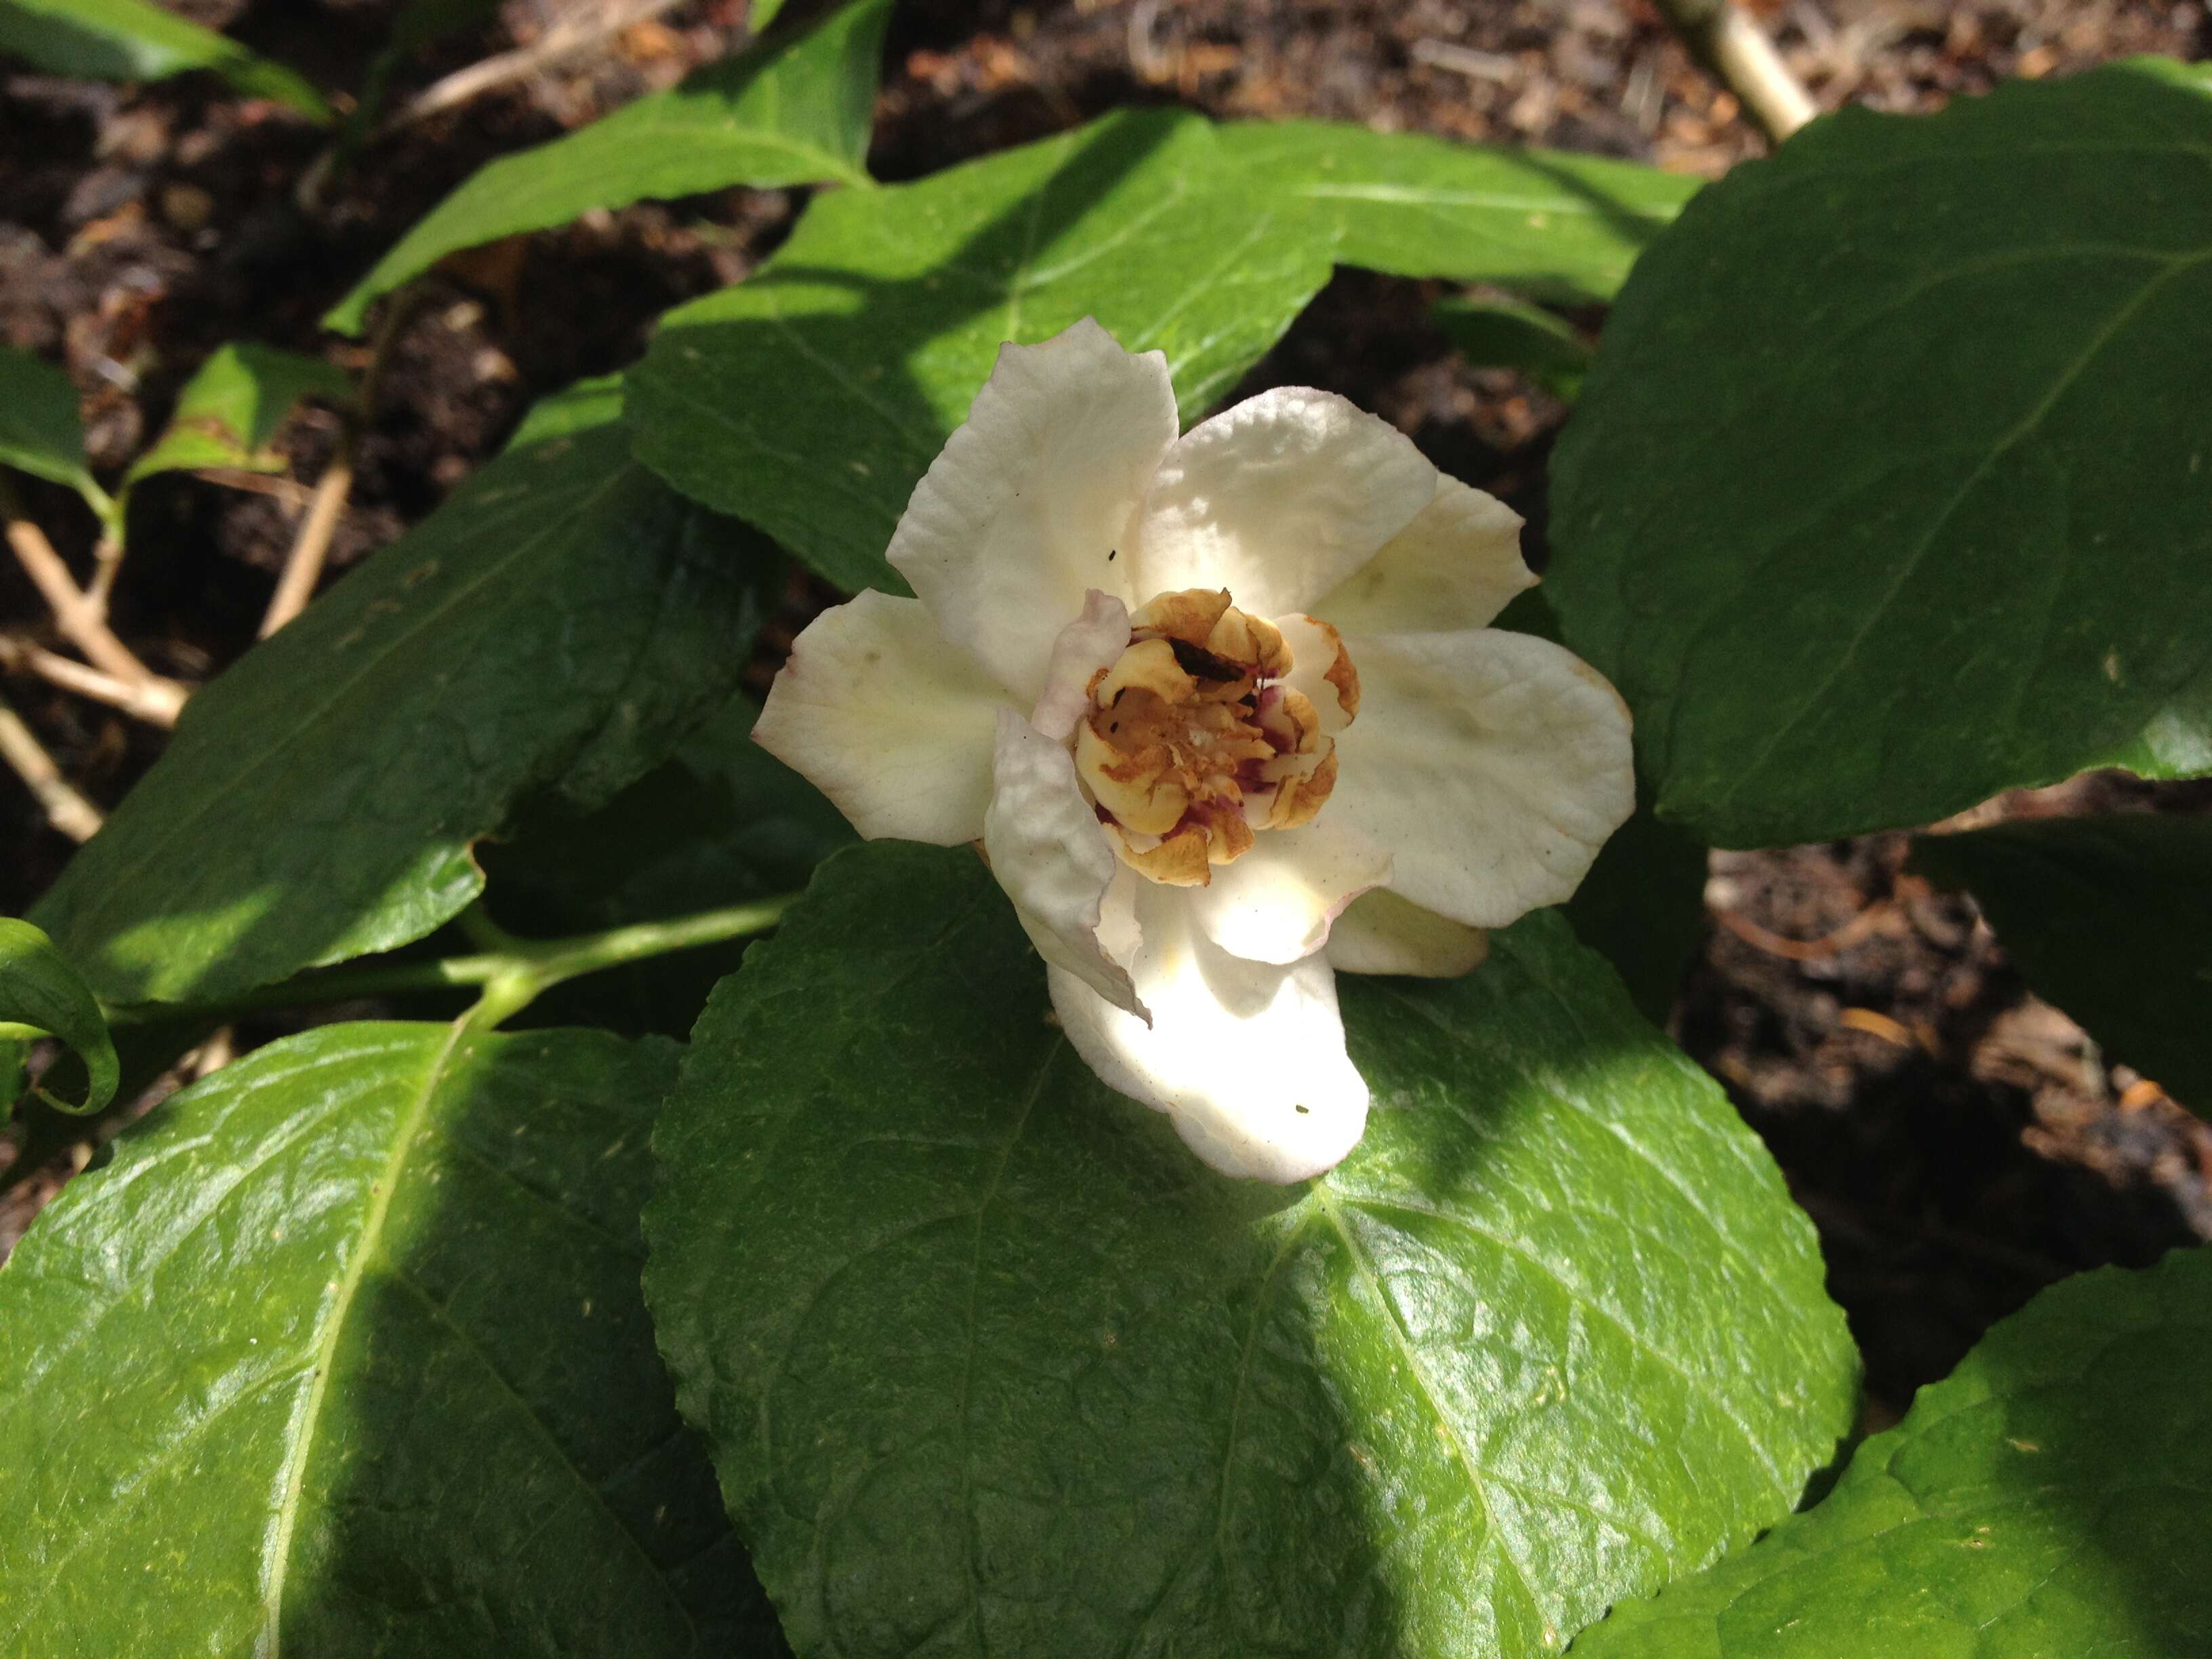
1196 695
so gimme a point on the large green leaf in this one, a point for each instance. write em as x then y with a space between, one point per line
2047 1498
136 40
229 410
795 113
2111 918
1893 485
345 1354
41 430
556 625
987 1360
811 398
41 995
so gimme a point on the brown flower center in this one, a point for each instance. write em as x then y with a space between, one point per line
1191 742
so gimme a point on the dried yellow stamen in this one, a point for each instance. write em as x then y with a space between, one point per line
1191 743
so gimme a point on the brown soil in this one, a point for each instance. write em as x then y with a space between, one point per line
1958 1142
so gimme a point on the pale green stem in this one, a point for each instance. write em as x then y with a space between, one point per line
512 976
105 507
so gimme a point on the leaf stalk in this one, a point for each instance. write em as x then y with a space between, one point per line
512 976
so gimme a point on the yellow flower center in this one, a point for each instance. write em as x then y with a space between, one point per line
1192 743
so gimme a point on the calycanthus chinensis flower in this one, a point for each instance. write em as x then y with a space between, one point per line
1222 709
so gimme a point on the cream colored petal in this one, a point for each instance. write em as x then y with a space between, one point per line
1030 501
884 717
1454 567
1275 903
1384 933
1278 500
1090 642
1247 1057
1048 851
1492 765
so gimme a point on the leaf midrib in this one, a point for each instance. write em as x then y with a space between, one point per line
1910 566
1402 1339
307 1420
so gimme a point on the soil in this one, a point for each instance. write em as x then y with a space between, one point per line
1958 1142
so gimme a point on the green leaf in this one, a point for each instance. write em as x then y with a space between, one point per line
229 410
41 995
1498 331
555 626
40 429
724 822
880 319
1892 486
985 1357
793 113
135 40
2048 1498
344 1354
1643 908
2111 918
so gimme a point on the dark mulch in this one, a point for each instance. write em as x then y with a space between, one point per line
1958 1142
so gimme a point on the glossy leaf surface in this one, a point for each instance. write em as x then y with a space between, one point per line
795 113
41 995
136 40
2047 1498
988 1361
2109 918
344 1354
229 410
1892 486
879 321
554 627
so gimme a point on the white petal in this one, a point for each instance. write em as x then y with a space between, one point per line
1454 567
1274 903
1090 642
1029 502
887 719
1492 765
1247 1057
1279 499
1383 933
1048 852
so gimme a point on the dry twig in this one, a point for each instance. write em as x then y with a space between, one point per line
78 617
1851 934
566 39
303 565
66 810
1736 51
154 706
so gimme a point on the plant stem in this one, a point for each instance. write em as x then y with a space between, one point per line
1737 51
77 615
150 706
66 810
512 977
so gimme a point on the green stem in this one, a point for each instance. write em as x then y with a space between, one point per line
105 507
512 977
